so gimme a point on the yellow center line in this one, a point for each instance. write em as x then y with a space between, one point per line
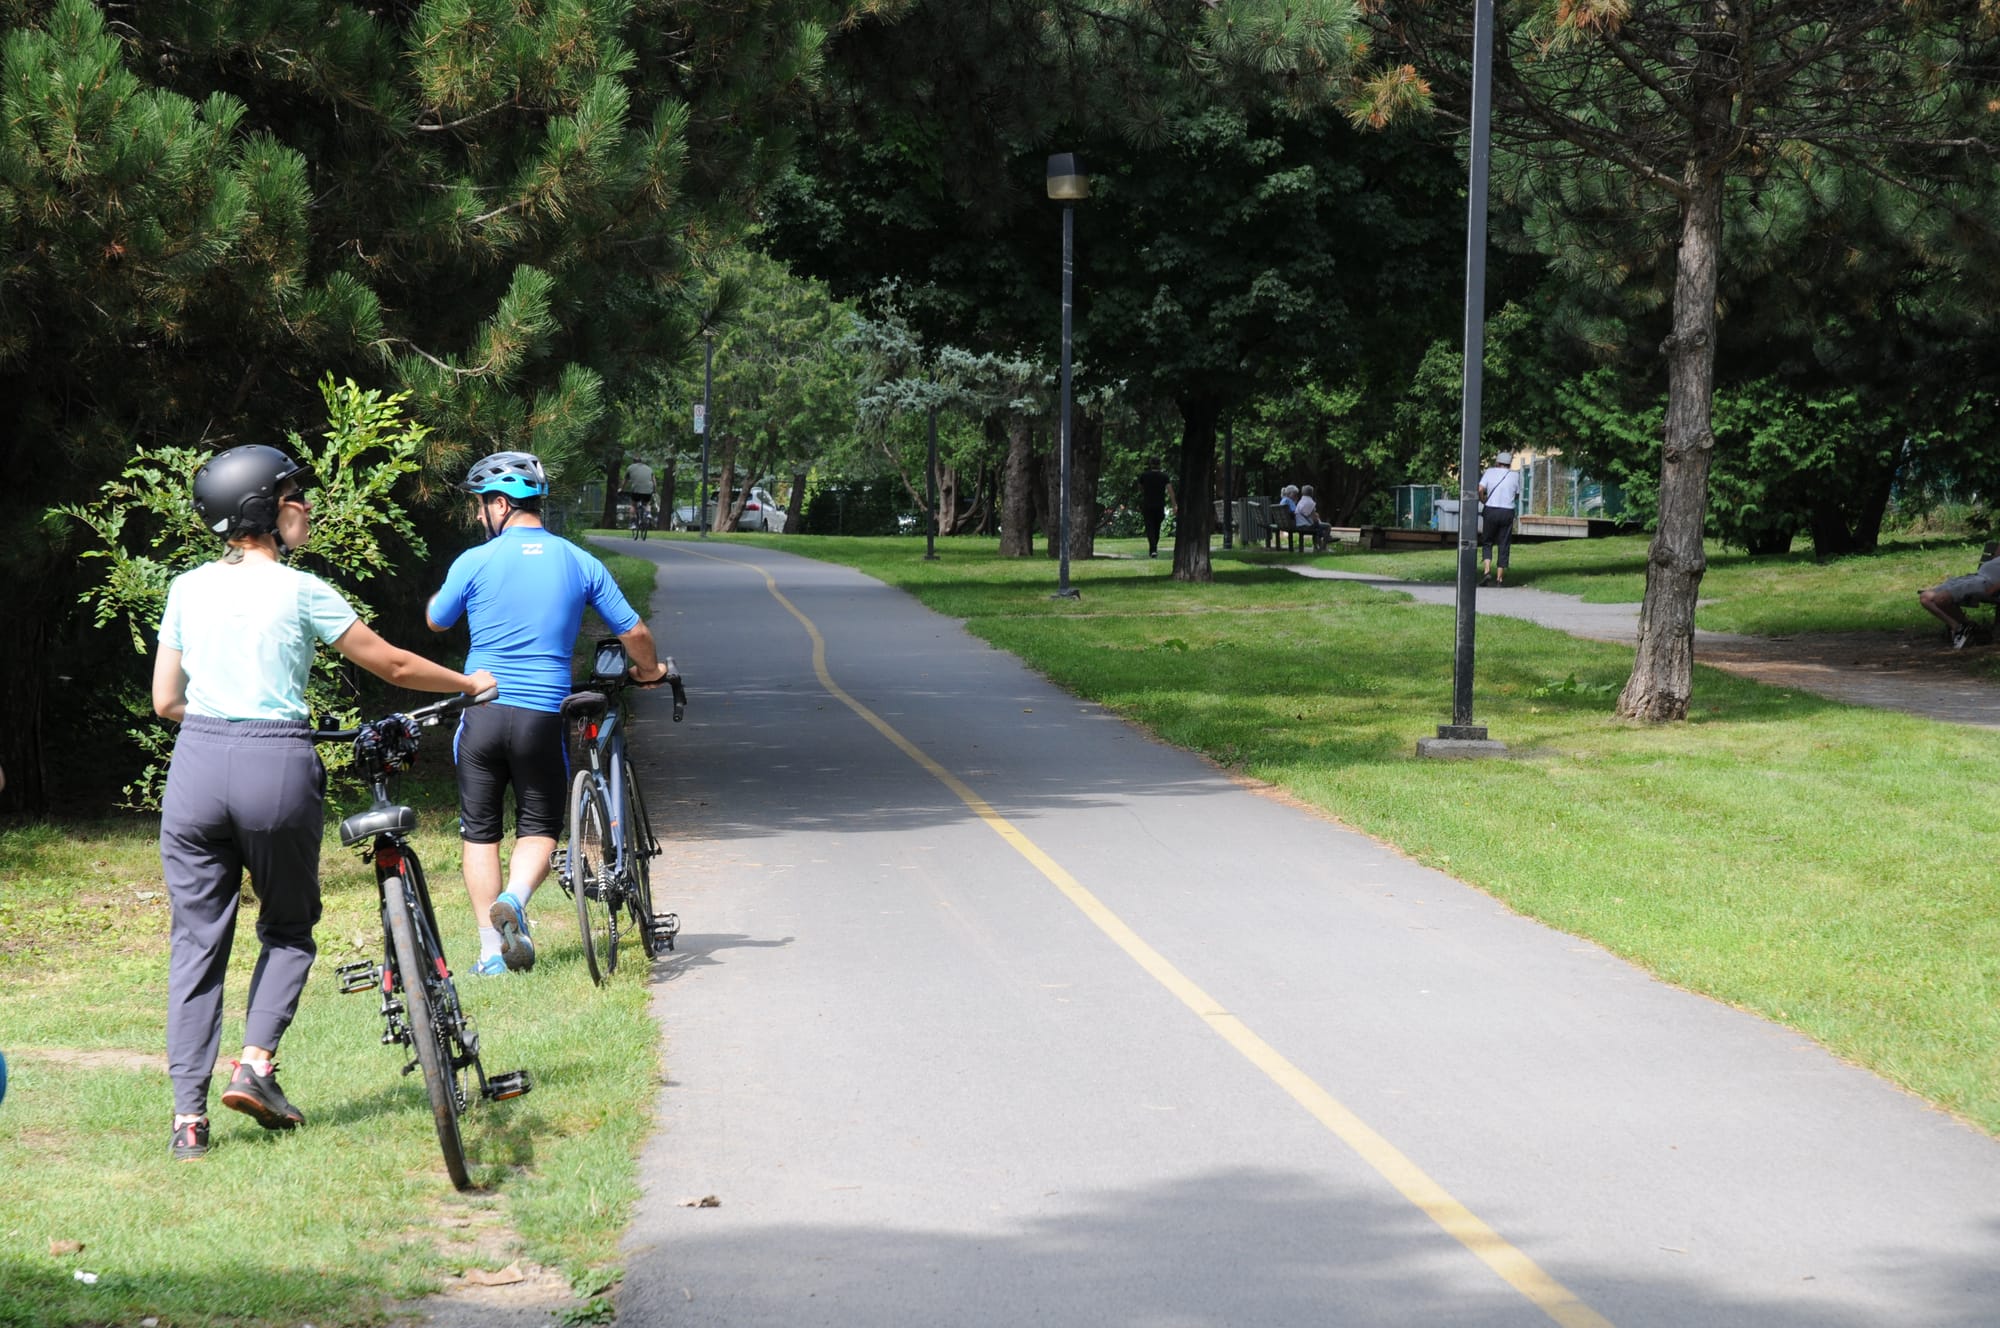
1554 1299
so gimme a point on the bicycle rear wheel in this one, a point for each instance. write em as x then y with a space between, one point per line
415 971
640 847
590 853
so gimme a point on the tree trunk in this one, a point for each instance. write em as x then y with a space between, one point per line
1017 539
1048 497
795 510
1086 459
1663 669
947 499
1196 520
614 475
1854 526
727 508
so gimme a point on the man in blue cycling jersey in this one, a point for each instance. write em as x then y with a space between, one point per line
523 594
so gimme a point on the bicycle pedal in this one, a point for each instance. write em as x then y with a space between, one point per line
559 861
514 1083
361 976
667 924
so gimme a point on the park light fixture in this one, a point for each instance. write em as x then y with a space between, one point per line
1067 184
1464 736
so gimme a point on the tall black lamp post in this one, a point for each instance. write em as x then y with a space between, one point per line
1463 737
707 390
930 535
1067 184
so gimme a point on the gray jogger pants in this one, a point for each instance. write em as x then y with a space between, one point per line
244 795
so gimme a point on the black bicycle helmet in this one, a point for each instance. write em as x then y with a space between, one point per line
236 492
515 474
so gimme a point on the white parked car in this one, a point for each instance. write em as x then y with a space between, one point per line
761 512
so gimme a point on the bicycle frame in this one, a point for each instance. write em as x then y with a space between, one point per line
615 873
605 750
421 1009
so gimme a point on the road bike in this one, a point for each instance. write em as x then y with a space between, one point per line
420 1006
606 863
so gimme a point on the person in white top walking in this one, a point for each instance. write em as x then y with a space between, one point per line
245 790
1499 490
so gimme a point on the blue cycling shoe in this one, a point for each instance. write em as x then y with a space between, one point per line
492 966
512 920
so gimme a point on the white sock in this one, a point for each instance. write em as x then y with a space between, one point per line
489 942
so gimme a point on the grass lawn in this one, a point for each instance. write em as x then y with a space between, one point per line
1799 858
328 1223
1772 596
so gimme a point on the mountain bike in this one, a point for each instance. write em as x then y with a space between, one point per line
606 863
420 1007
642 519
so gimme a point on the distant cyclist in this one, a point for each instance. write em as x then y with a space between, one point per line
522 593
638 488
245 790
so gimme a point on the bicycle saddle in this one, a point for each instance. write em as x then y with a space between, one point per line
377 821
585 706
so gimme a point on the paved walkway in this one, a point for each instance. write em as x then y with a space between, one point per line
982 1016
1888 670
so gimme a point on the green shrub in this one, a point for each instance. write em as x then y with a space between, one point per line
147 533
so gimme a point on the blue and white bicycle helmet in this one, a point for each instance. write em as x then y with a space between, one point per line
511 474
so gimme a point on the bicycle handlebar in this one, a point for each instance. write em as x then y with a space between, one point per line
424 716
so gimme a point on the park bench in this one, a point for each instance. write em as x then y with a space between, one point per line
1279 527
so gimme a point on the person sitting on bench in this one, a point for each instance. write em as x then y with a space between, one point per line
1308 519
1947 600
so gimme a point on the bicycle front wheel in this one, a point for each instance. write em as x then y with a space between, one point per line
590 865
432 1040
639 850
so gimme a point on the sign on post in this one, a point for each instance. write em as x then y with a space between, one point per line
700 418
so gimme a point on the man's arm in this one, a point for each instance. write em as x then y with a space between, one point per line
646 669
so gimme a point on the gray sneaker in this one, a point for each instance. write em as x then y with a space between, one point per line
516 949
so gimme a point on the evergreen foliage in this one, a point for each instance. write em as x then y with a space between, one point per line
498 208
359 531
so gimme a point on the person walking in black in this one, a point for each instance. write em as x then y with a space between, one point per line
1155 488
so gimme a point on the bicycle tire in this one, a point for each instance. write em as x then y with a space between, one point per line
433 1044
640 847
589 865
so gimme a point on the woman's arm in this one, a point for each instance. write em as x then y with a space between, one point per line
169 685
394 664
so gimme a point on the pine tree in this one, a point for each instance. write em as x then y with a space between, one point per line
500 208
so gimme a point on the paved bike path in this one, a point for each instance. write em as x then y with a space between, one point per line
928 1084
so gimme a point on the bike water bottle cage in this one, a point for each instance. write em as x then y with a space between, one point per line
510 474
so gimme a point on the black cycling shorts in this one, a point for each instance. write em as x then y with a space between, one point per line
499 745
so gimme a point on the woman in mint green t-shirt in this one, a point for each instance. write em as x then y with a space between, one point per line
245 789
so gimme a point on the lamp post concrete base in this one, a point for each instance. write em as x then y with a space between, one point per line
1460 742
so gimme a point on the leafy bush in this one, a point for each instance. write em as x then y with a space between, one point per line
147 534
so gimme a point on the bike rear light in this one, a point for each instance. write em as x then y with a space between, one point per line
590 732
389 860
